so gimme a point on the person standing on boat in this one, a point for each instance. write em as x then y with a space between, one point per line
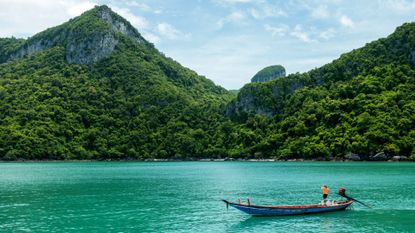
325 190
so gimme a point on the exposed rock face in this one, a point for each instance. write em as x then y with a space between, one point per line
263 98
81 49
90 50
33 47
119 25
85 51
246 103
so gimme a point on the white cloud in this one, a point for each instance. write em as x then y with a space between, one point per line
139 5
237 1
77 9
346 21
138 22
225 59
255 13
170 32
277 31
327 34
270 11
237 17
310 35
400 6
321 12
338 24
266 11
24 18
227 2
151 37
300 34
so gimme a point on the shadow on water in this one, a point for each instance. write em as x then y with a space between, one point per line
323 222
366 220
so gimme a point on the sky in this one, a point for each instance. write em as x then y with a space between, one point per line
228 41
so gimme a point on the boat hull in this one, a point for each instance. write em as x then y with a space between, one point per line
287 210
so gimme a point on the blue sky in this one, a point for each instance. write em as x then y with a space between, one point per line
228 41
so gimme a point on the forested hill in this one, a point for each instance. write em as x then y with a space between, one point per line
94 88
360 104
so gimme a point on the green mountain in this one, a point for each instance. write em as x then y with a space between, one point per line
269 73
362 103
94 88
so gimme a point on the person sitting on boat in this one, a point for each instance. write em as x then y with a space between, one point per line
325 190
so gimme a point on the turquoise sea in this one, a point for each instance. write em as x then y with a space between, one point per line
185 196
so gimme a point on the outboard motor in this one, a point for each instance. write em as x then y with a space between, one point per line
342 192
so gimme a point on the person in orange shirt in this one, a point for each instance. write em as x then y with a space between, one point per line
325 190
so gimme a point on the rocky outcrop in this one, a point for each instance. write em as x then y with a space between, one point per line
247 102
399 158
82 46
264 98
85 51
381 156
120 25
353 157
33 47
90 50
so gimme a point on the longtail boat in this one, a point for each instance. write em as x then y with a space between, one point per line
258 210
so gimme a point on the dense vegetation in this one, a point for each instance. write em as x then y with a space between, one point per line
136 103
269 73
7 46
361 103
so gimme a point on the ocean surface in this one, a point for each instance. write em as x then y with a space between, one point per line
185 196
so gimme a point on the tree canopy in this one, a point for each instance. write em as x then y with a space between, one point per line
136 103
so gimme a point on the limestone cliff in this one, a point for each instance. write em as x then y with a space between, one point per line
86 39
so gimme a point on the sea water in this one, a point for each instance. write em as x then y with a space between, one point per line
186 196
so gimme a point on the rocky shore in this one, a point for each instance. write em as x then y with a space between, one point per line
379 157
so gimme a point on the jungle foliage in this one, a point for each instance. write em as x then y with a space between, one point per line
361 103
137 104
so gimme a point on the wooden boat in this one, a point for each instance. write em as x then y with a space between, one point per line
257 210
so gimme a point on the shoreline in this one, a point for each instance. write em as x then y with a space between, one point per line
206 160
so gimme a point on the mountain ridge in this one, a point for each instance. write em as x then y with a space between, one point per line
389 47
358 106
70 98
105 24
